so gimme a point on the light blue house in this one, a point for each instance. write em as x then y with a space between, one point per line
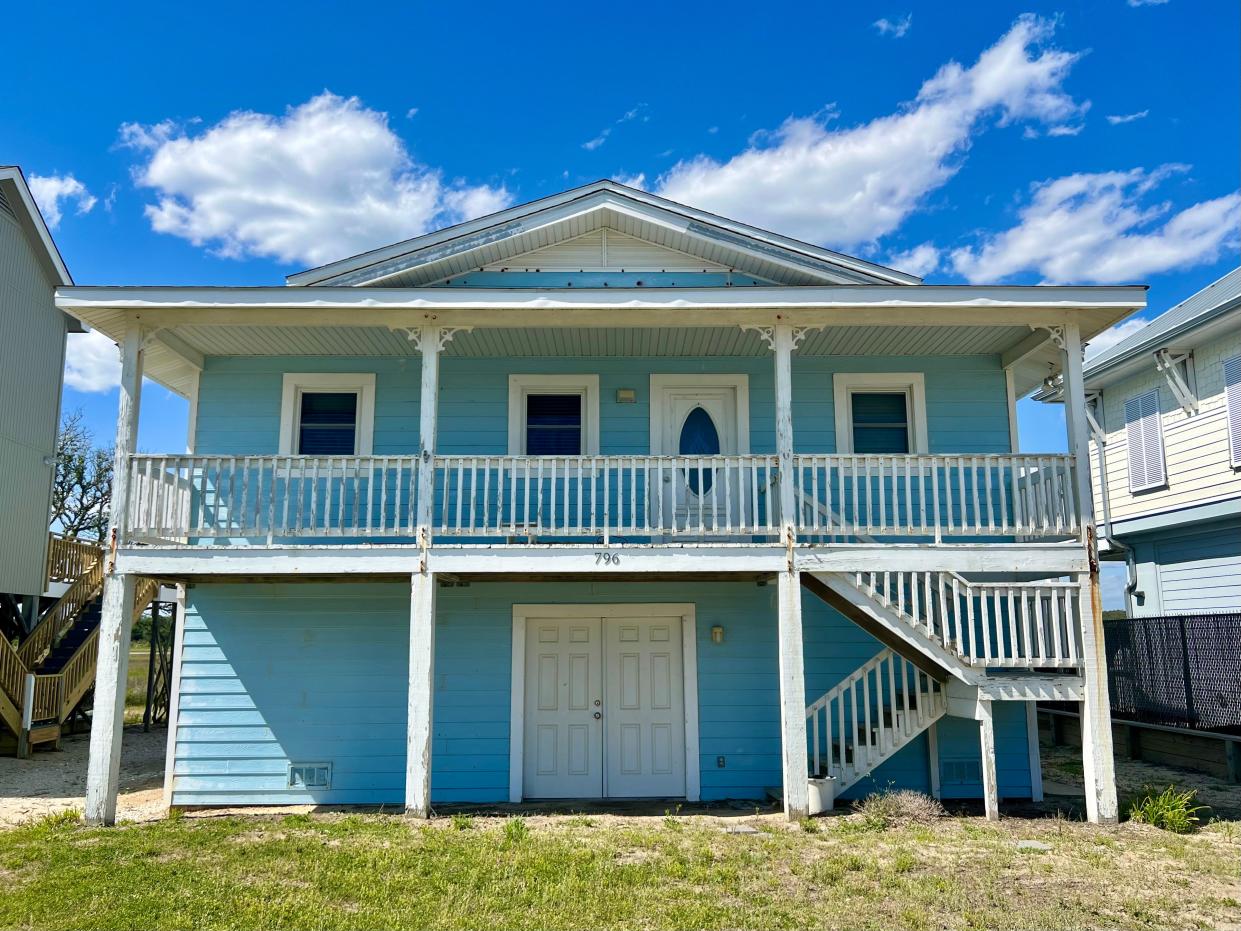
1166 404
606 497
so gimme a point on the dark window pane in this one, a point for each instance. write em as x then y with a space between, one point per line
880 422
699 437
328 424
554 425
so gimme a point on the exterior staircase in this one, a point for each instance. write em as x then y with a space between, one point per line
869 716
45 677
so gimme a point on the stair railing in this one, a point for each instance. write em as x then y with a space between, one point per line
68 557
12 672
870 714
60 617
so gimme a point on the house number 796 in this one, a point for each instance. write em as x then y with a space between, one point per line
607 559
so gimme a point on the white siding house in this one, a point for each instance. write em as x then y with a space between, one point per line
1168 408
32 351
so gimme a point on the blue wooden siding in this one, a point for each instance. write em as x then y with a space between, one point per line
316 672
239 400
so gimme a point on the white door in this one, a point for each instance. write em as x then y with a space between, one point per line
644 708
604 708
563 751
697 421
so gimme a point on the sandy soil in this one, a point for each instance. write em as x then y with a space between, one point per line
55 780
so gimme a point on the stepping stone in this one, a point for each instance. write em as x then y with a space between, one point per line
1032 845
740 829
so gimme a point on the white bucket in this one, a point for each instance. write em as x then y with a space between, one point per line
822 794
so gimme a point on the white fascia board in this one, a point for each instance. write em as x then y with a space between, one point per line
1191 335
35 219
536 214
839 297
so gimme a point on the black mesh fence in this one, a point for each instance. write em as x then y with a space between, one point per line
1179 670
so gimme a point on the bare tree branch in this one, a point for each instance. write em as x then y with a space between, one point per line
82 489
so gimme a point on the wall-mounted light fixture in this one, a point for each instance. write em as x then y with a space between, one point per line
717 634
626 396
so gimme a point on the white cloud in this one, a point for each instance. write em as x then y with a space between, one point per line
50 190
849 186
1066 130
411 113
591 144
631 114
92 362
1099 228
896 28
637 181
1147 2
1116 119
920 260
1110 337
325 180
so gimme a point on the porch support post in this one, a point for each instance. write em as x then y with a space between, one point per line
422 589
990 787
421 691
796 767
1036 761
117 617
782 343
1095 710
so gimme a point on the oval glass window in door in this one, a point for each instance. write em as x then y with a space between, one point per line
699 437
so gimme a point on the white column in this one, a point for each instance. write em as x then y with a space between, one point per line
795 765
1096 713
990 787
1036 761
932 753
421 692
422 592
116 621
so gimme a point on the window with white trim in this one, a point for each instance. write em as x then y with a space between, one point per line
553 415
327 414
880 413
1144 435
1232 389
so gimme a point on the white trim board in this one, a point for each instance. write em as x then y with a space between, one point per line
522 386
913 384
740 383
517 693
296 382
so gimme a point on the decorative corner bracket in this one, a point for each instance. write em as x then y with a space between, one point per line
768 334
444 334
1055 332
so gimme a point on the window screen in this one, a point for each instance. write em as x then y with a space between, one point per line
880 421
327 423
1144 435
553 425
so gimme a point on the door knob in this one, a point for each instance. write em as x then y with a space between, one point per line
598 702
598 715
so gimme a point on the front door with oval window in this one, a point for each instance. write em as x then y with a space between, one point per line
696 423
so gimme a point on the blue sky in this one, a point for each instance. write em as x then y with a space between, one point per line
1082 141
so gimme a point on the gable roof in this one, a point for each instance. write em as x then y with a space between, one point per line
522 229
17 201
1184 324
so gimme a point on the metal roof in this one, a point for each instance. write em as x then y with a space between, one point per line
1215 299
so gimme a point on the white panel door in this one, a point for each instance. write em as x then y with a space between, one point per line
644 707
563 748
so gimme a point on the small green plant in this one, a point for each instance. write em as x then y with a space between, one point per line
901 807
809 826
1171 809
70 817
462 822
670 818
516 830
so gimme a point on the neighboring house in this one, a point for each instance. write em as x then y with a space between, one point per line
1167 403
605 497
32 361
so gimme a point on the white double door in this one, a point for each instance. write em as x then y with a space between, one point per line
604 708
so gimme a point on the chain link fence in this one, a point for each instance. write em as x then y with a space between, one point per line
1177 670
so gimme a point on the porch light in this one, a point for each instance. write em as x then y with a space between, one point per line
717 634
626 396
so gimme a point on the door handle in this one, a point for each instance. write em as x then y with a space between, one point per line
598 715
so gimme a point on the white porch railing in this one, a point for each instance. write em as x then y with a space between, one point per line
842 496
257 499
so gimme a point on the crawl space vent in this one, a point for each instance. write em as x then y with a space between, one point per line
960 772
310 775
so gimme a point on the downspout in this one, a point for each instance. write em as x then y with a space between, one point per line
1131 565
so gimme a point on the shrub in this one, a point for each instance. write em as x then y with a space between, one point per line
1170 809
898 808
515 830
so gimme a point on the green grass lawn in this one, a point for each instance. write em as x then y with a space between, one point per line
367 871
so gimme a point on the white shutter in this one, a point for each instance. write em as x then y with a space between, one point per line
1145 435
1232 381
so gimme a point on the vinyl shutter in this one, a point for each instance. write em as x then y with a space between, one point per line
1232 383
1145 440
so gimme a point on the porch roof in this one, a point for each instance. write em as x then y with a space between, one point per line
191 323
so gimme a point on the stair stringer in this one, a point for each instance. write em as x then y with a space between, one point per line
886 625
